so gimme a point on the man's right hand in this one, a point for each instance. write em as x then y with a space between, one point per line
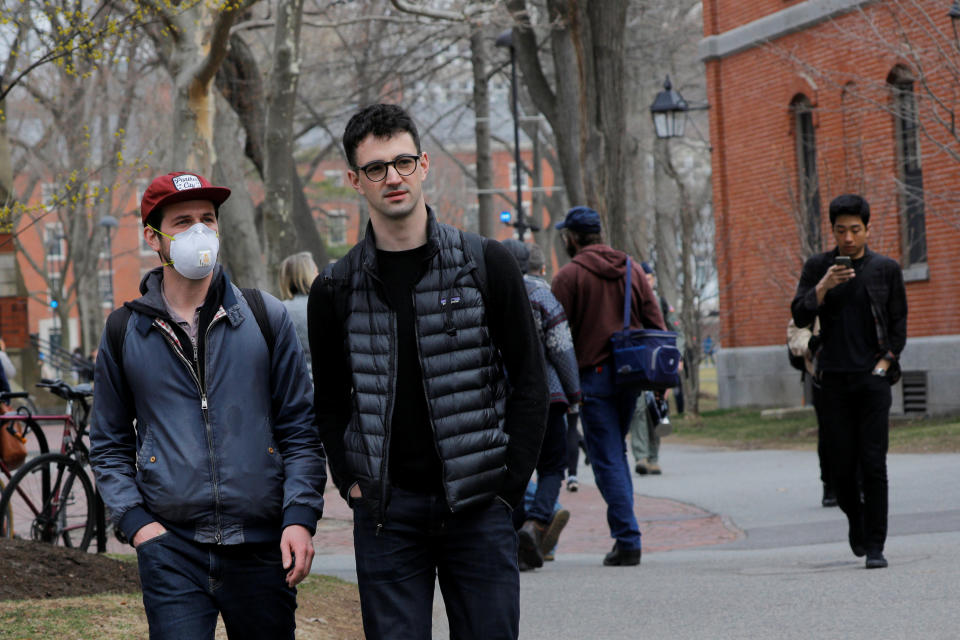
834 276
147 532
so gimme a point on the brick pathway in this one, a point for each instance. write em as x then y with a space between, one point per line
665 524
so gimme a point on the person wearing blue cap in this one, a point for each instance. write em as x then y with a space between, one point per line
591 290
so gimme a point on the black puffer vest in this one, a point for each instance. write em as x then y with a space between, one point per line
462 373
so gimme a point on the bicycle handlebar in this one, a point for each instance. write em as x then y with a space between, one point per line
9 395
65 391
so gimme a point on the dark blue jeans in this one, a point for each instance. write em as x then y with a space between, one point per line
605 415
473 554
185 586
550 465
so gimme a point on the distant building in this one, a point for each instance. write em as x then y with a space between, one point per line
810 100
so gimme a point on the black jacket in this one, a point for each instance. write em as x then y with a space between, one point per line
888 302
487 437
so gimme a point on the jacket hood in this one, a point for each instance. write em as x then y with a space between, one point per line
151 300
603 261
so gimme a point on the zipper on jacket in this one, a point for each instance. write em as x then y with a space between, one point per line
206 422
426 397
388 416
388 426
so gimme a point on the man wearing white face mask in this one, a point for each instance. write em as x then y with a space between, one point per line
203 441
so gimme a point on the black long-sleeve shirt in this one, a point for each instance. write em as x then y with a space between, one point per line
414 461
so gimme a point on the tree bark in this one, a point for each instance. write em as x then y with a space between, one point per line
481 109
280 236
240 250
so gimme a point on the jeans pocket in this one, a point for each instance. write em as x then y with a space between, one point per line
152 541
266 554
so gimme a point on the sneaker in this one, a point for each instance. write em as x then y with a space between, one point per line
621 557
641 468
875 560
529 536
549 556
653 468
552 532
572 485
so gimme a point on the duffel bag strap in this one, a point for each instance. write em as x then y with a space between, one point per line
627 296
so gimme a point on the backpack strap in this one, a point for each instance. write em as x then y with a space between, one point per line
255 299
473 247
116 331
628 295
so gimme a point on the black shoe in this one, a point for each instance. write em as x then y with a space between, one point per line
875 560
855 536
829 497
641 468
621 557
530 536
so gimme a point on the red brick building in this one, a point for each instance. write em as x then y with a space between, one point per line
810 99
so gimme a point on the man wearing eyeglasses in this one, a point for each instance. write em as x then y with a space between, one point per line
413 334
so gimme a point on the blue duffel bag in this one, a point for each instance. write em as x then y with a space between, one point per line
646 359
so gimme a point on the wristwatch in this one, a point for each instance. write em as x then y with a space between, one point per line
880 371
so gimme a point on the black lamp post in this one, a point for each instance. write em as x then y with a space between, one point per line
669 112
505 39
109 223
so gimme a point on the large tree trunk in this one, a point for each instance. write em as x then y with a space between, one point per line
280 236
481 109
240 247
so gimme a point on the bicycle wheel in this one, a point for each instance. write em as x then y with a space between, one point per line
6 520
50 499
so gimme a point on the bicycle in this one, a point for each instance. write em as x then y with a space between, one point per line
51 498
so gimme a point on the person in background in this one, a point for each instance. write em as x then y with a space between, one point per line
591 289
860 299
9 369
644 441
541 525
297 273
803 343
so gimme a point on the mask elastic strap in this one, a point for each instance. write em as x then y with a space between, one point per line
155 230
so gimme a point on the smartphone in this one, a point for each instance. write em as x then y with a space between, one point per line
843 261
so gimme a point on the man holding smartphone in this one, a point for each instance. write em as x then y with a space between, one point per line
861 302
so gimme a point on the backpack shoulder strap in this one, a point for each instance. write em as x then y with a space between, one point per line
255 300
473 247
116 331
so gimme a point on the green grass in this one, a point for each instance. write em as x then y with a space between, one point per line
746 428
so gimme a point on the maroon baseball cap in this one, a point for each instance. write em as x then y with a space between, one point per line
179 186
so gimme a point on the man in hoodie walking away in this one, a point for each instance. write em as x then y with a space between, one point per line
591 290
203 440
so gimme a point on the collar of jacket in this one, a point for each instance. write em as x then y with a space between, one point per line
220 294
369 257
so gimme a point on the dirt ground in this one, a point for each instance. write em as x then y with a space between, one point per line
48 591
31 570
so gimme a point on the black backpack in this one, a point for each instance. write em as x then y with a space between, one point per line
117 324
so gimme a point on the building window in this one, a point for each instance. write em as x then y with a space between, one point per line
525 186
808 185
910 171
333 177
53 241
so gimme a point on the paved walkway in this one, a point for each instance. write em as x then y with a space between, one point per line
736 545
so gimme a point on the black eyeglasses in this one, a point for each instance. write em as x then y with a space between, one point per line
377 170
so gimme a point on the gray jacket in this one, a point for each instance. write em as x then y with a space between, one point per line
224 449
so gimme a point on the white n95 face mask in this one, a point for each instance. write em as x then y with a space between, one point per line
193 252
